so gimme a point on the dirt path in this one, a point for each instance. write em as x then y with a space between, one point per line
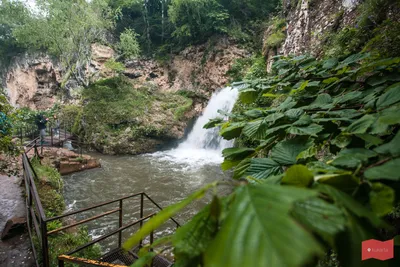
17 250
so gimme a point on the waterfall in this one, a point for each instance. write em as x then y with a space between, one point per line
205 145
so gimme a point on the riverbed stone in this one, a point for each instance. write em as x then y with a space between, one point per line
13 227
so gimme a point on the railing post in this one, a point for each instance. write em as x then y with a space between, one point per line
20 132
51 135
120 224
141 215
60 263
45 245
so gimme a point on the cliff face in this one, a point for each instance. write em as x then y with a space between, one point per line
308 22
34 81
201 67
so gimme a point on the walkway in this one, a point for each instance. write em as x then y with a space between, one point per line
17 250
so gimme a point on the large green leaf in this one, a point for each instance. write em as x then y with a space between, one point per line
163 216
192 239
381 199
392 148
304 120
345 200
212 123
352 158
389 171
298 175
287 104
294 113
232 130
254 113
248 96
321 217
347 97
391 96
286 152
311 130
237 153
256 129
323 101
261 168
345 182
241 168
361 125
390 116
259 230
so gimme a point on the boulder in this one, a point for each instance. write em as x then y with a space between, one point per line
13 227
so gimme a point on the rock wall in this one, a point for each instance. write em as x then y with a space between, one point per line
34 81
309 20
201 67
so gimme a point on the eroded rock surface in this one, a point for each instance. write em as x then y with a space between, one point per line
33 82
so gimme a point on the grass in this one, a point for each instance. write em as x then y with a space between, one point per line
49 189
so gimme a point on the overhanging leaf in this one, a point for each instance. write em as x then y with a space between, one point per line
381 199
298 175
391 96
311 130
235 153
248 96
321 217
232 130
345 200
266 238
212 123
192 239
392 148
261 168
286 152
389 171
361 125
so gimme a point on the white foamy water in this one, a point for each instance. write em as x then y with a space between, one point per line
204 146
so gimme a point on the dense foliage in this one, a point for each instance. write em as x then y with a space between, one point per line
317 165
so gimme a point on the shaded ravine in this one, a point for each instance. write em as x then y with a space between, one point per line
167 176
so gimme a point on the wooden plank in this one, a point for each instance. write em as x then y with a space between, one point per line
87 261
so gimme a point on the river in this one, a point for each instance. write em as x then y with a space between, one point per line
166 176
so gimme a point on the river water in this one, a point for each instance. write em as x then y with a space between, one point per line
166 176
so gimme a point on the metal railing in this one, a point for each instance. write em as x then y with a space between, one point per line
38 222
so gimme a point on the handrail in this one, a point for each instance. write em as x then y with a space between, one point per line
37 220
110 234
91 207
83 221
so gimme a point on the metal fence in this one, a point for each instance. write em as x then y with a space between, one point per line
38 222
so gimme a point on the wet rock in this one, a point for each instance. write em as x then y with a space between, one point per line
13 227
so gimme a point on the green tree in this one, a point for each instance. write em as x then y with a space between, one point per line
128 46
196 20
12 15
66 29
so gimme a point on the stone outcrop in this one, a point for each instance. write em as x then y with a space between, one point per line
33 82
308 22
67 161
196 67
